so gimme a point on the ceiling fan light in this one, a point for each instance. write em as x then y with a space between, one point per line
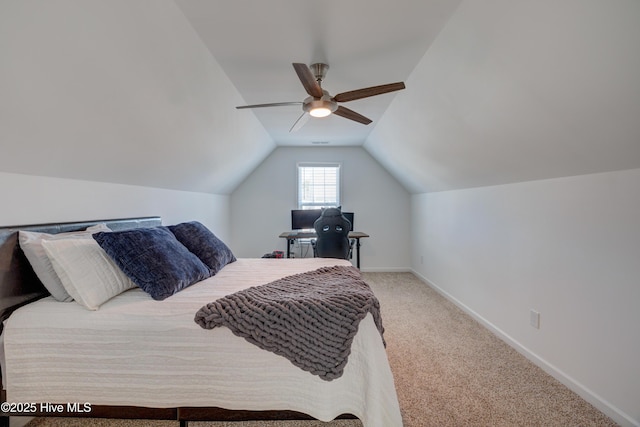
319 107
320 112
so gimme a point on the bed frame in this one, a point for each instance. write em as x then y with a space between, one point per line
19 286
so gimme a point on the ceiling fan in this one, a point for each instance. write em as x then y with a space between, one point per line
320 104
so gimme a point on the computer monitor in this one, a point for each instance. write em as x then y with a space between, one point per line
349 216
303 219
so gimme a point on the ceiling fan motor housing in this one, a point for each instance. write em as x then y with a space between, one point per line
319 70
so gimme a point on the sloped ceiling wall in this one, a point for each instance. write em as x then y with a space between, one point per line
517 91
119 91
126 92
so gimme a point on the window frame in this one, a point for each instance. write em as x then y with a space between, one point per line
299 201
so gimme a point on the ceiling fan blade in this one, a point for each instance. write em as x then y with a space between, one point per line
308 80
273 104
304 118
368 91
351 115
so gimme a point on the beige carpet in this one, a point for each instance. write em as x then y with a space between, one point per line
448 369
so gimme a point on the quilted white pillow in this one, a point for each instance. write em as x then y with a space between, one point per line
86 271
31 244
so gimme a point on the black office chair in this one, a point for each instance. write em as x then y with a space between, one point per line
332 230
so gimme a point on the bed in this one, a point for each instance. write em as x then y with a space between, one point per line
136 357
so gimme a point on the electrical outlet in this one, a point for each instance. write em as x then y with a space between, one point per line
534 319
421 259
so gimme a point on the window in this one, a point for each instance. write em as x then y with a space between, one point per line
318 185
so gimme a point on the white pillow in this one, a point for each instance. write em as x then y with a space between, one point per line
86 271
31 244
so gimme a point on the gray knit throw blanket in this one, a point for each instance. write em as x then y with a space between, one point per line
310 318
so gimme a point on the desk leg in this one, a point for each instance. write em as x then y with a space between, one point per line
289 242
358 252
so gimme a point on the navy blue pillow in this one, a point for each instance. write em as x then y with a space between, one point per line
202 242
153 259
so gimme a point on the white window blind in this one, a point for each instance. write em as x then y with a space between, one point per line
318 185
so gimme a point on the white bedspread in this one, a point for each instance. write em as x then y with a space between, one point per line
141 352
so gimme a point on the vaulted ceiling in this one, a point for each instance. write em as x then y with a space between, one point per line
144 92
364 42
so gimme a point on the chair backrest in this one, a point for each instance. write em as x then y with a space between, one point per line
332 230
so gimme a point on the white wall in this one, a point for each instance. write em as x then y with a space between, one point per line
261 205
568 248
28 199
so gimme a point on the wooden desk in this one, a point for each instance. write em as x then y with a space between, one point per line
292 236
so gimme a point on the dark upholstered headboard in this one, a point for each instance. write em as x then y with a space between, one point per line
19 285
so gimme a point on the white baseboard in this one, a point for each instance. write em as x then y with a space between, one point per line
597 401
